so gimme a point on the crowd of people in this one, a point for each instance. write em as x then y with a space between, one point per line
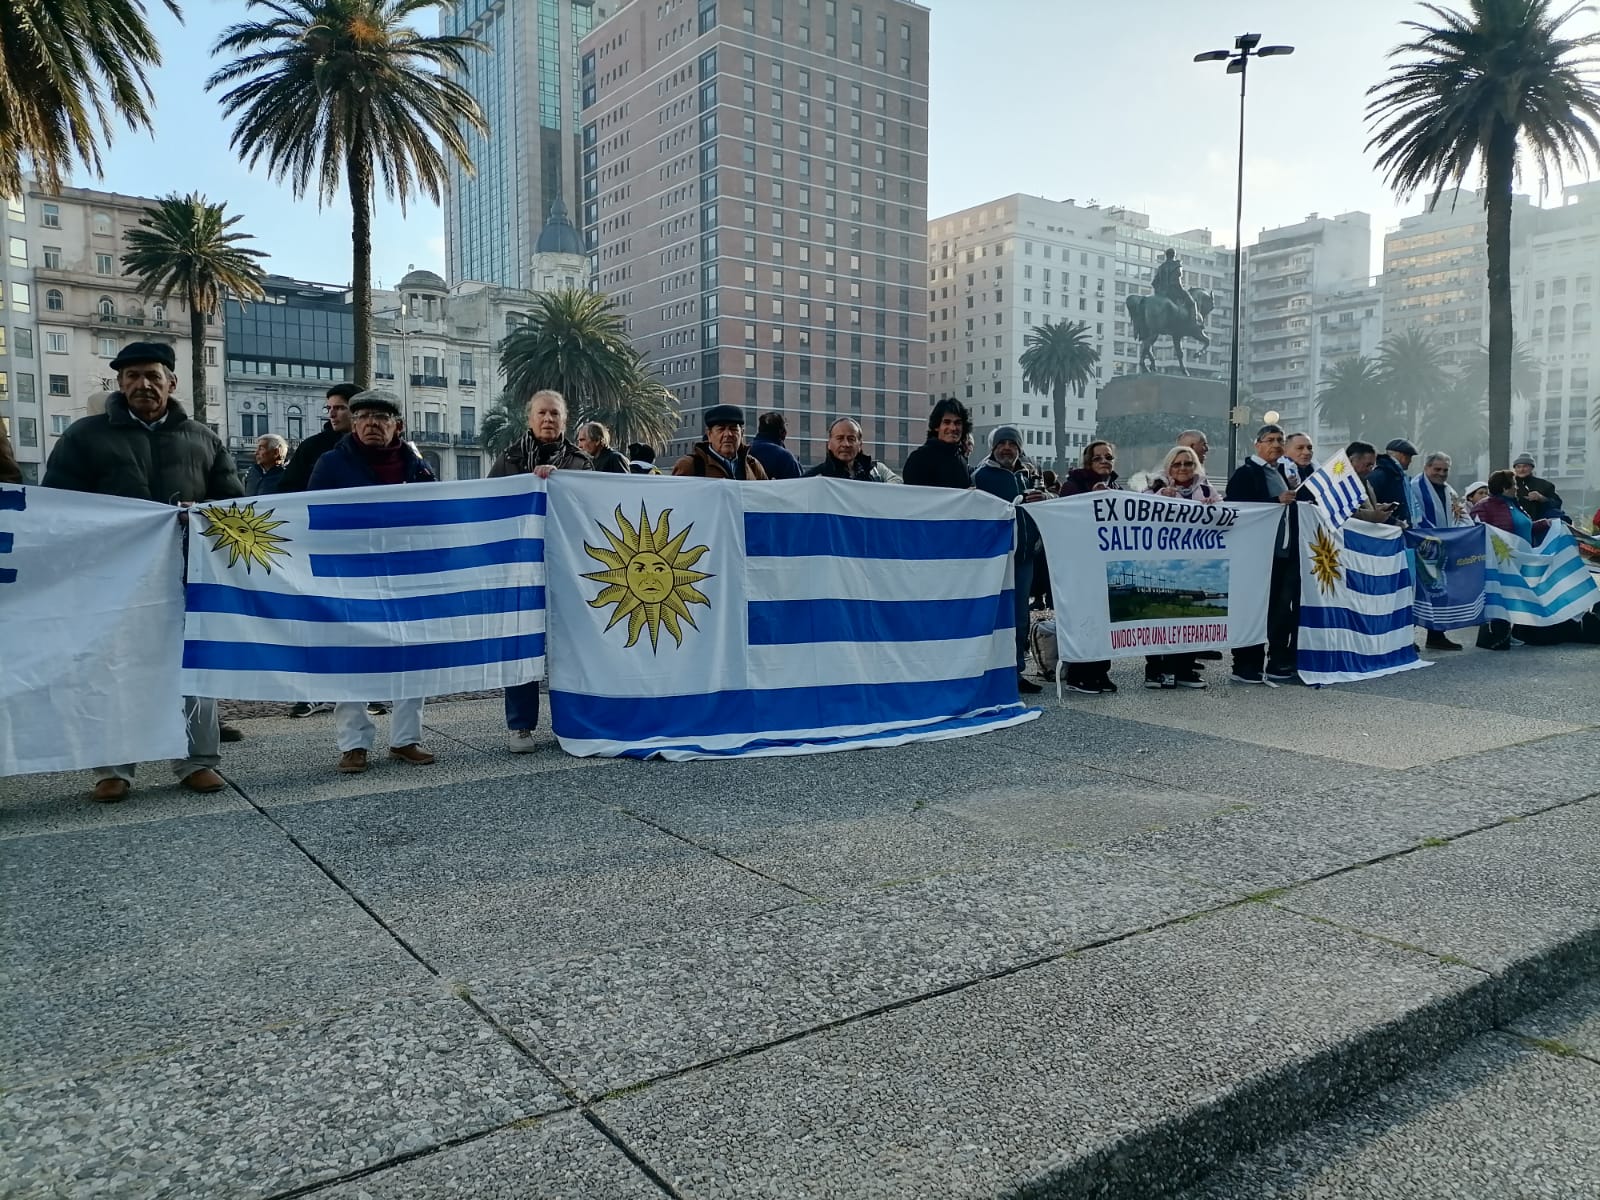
146 446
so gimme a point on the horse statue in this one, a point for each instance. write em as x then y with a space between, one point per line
1156 317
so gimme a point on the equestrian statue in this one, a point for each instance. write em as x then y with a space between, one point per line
1173 311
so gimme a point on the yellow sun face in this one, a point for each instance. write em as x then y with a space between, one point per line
648 576
245 534
1325 561
1503 553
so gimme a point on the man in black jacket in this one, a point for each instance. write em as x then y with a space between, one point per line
938 462
1001 475
594 439
1261 479
845 459
297 475
146 447
1389 481
1536 497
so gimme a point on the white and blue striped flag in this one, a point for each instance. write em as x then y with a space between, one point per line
703 618
1543 585
1337 487
1355 601
380 593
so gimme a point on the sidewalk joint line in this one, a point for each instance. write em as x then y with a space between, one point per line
628 1152
715 853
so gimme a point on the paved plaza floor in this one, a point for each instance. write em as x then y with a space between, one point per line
1145 938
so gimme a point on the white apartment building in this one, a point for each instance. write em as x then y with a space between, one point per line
1346 322
67 309
1288 273
1139 250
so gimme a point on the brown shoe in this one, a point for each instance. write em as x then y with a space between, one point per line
111 791
353 762
230 733
413 754
203 780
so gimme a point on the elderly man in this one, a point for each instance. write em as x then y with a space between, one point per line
1390 483
266 476
1001 474
723 453
1195 439
1437 507
145 446
846 459
370 455
941 461
1299 461
769 450
1537 497
1261 478
297 475
594 439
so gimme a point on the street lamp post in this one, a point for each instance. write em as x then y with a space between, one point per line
1245 46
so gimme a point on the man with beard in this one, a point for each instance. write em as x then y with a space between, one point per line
1001 474
146 447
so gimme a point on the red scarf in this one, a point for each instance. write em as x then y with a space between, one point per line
387 463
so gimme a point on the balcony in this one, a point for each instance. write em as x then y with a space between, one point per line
433 381
429 437
467 437
467 382
383 374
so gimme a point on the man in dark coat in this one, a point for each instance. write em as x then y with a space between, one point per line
372 454
297 475
146 447
938 462
1001 475
1536 497
266 476
594 439
845 459
1261 479
1389 481
768 448
723 453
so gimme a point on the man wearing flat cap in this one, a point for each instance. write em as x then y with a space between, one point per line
1390 483
146 447
723 454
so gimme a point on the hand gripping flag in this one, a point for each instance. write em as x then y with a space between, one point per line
703 618
381 593
1338 489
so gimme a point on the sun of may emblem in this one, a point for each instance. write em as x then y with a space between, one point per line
245 534
1325 561
1503 553
649 576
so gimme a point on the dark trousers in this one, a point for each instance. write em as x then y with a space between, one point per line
1041 581
1277 654
1169 664
1088 672
1022 584
522 706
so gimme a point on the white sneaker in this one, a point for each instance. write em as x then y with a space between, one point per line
520 741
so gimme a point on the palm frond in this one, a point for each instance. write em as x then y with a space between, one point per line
1058 358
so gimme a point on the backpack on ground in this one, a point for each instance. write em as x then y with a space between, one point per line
1043 640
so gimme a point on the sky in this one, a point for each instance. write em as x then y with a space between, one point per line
1093 100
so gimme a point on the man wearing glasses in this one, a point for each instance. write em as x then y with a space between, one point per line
1263 479
297 475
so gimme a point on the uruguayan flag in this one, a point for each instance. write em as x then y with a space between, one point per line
381 593
1355 601
703 618
1337 487
1543 585
1448 576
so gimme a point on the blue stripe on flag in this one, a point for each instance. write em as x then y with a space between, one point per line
393 514
358 660
1369 624
430 561
1377 585
794 622
281 606
1365 543
798 534
1347 662
768 713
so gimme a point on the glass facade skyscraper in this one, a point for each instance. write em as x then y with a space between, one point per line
526 82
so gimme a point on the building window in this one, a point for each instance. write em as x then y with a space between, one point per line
382 368
23 347
58 386
52 258
55 343
469 466
50 216
108 310
102 264
467 378
54 301
106 347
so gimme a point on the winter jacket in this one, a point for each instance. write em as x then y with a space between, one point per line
1249 484
989 476
705 463
609 460
1549 506
297 472
528 452
861 468
343 467
10 472
114 454
775 458
263 483
1502 514
1083 479
1391 485
937 464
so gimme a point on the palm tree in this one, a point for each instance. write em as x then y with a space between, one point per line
1469 90
1057 357
645 411
573 341
1415 378
182 247
1351 395
67 67
342 91
502 424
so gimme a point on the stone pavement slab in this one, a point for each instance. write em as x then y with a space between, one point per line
1546 682
1044 1073
137 938
608 1020
519 870
267 1110
1539 773
1570 1024
563 1157
1494 1121
58 802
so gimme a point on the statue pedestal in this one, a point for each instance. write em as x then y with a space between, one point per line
1144 414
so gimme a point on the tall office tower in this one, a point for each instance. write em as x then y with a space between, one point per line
526 82
1287 274
755 200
